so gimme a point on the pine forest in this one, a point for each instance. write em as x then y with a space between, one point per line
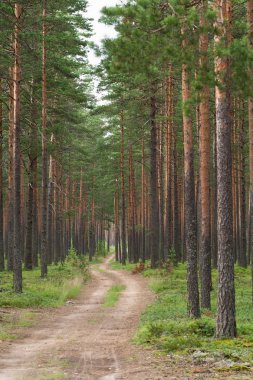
126 189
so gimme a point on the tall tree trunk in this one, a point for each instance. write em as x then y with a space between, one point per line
130 213
43 254
51 207
160 171
214 204
30 201
176 208
17 256
123 197
67 212
204 162
22 207
189 194
1 183
169 125
154 211
133 203
242 190
250 110
226 323
35 230
10 236
143 208
92 244
116 219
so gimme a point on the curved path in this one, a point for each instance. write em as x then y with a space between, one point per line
84 340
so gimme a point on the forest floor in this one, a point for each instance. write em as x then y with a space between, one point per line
90 338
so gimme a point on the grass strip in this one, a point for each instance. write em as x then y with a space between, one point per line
113 295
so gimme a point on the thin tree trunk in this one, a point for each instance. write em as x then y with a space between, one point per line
143 208
250 110
161 192
35 231
10 235
154 211
242 190
189 194
1 183
204 162
214 204
134 213
51 208
17 256
176 208
92 244
43 254
116 220
123 198
30 201
169 108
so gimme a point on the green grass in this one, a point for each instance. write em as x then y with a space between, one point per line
12 321
6 335
113 295
115 265
52 376
64 281
97 259
166 326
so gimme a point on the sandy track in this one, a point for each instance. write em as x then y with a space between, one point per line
84 340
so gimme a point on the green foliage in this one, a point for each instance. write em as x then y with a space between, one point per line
166 326
173 256
101 248
80 262
113 295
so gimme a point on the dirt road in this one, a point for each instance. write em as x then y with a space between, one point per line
85 340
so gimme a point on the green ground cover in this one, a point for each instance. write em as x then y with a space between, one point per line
64 281
166 326
113 295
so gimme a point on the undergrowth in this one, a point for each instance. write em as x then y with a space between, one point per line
166 326
64 281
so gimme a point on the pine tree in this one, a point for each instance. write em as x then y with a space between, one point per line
226 324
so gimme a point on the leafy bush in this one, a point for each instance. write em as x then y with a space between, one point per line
77 261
